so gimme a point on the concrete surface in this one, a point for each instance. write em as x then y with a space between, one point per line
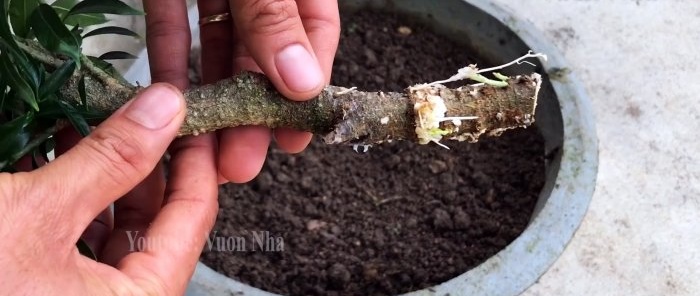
639 62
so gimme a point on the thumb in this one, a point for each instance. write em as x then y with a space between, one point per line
273 33
117 155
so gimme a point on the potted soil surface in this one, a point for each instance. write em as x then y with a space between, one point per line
397 218
485 218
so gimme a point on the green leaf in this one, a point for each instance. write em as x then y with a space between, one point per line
53 34
5 32
17 83
77 31
107 67
15 135
40 73
17 56
20 10
54 109
54 82
62 7
75 118
117 55
14 107
111 30
86 19
103 6
8 45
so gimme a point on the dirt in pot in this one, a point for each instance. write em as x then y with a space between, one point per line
398 218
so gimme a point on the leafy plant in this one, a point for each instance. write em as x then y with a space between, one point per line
32 109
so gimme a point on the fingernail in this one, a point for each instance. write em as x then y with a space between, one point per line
298 68
155 107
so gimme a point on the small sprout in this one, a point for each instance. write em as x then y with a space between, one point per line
500 76
491 82
431 112
471 72
438 132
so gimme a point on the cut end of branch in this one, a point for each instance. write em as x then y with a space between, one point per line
468 112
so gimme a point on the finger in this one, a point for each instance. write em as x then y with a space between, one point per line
98 231
217 42
133 214
273 33
243 148
292 141
116 156
136 211
175 240
321 19
168 41
244 156
321 22
140 206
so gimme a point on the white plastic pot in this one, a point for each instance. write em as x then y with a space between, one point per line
564 116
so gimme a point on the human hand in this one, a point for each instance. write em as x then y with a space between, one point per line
292 42
46 211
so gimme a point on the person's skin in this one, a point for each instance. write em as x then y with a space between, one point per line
241 152
292 42
45 212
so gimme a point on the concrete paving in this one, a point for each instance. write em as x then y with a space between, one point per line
638 61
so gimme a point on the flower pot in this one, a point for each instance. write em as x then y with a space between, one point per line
564 117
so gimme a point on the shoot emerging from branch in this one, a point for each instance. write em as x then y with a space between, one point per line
430 108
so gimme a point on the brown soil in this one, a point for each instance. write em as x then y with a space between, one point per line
398 218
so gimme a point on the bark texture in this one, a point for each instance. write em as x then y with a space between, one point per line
338 114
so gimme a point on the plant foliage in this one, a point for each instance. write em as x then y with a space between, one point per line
31 109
